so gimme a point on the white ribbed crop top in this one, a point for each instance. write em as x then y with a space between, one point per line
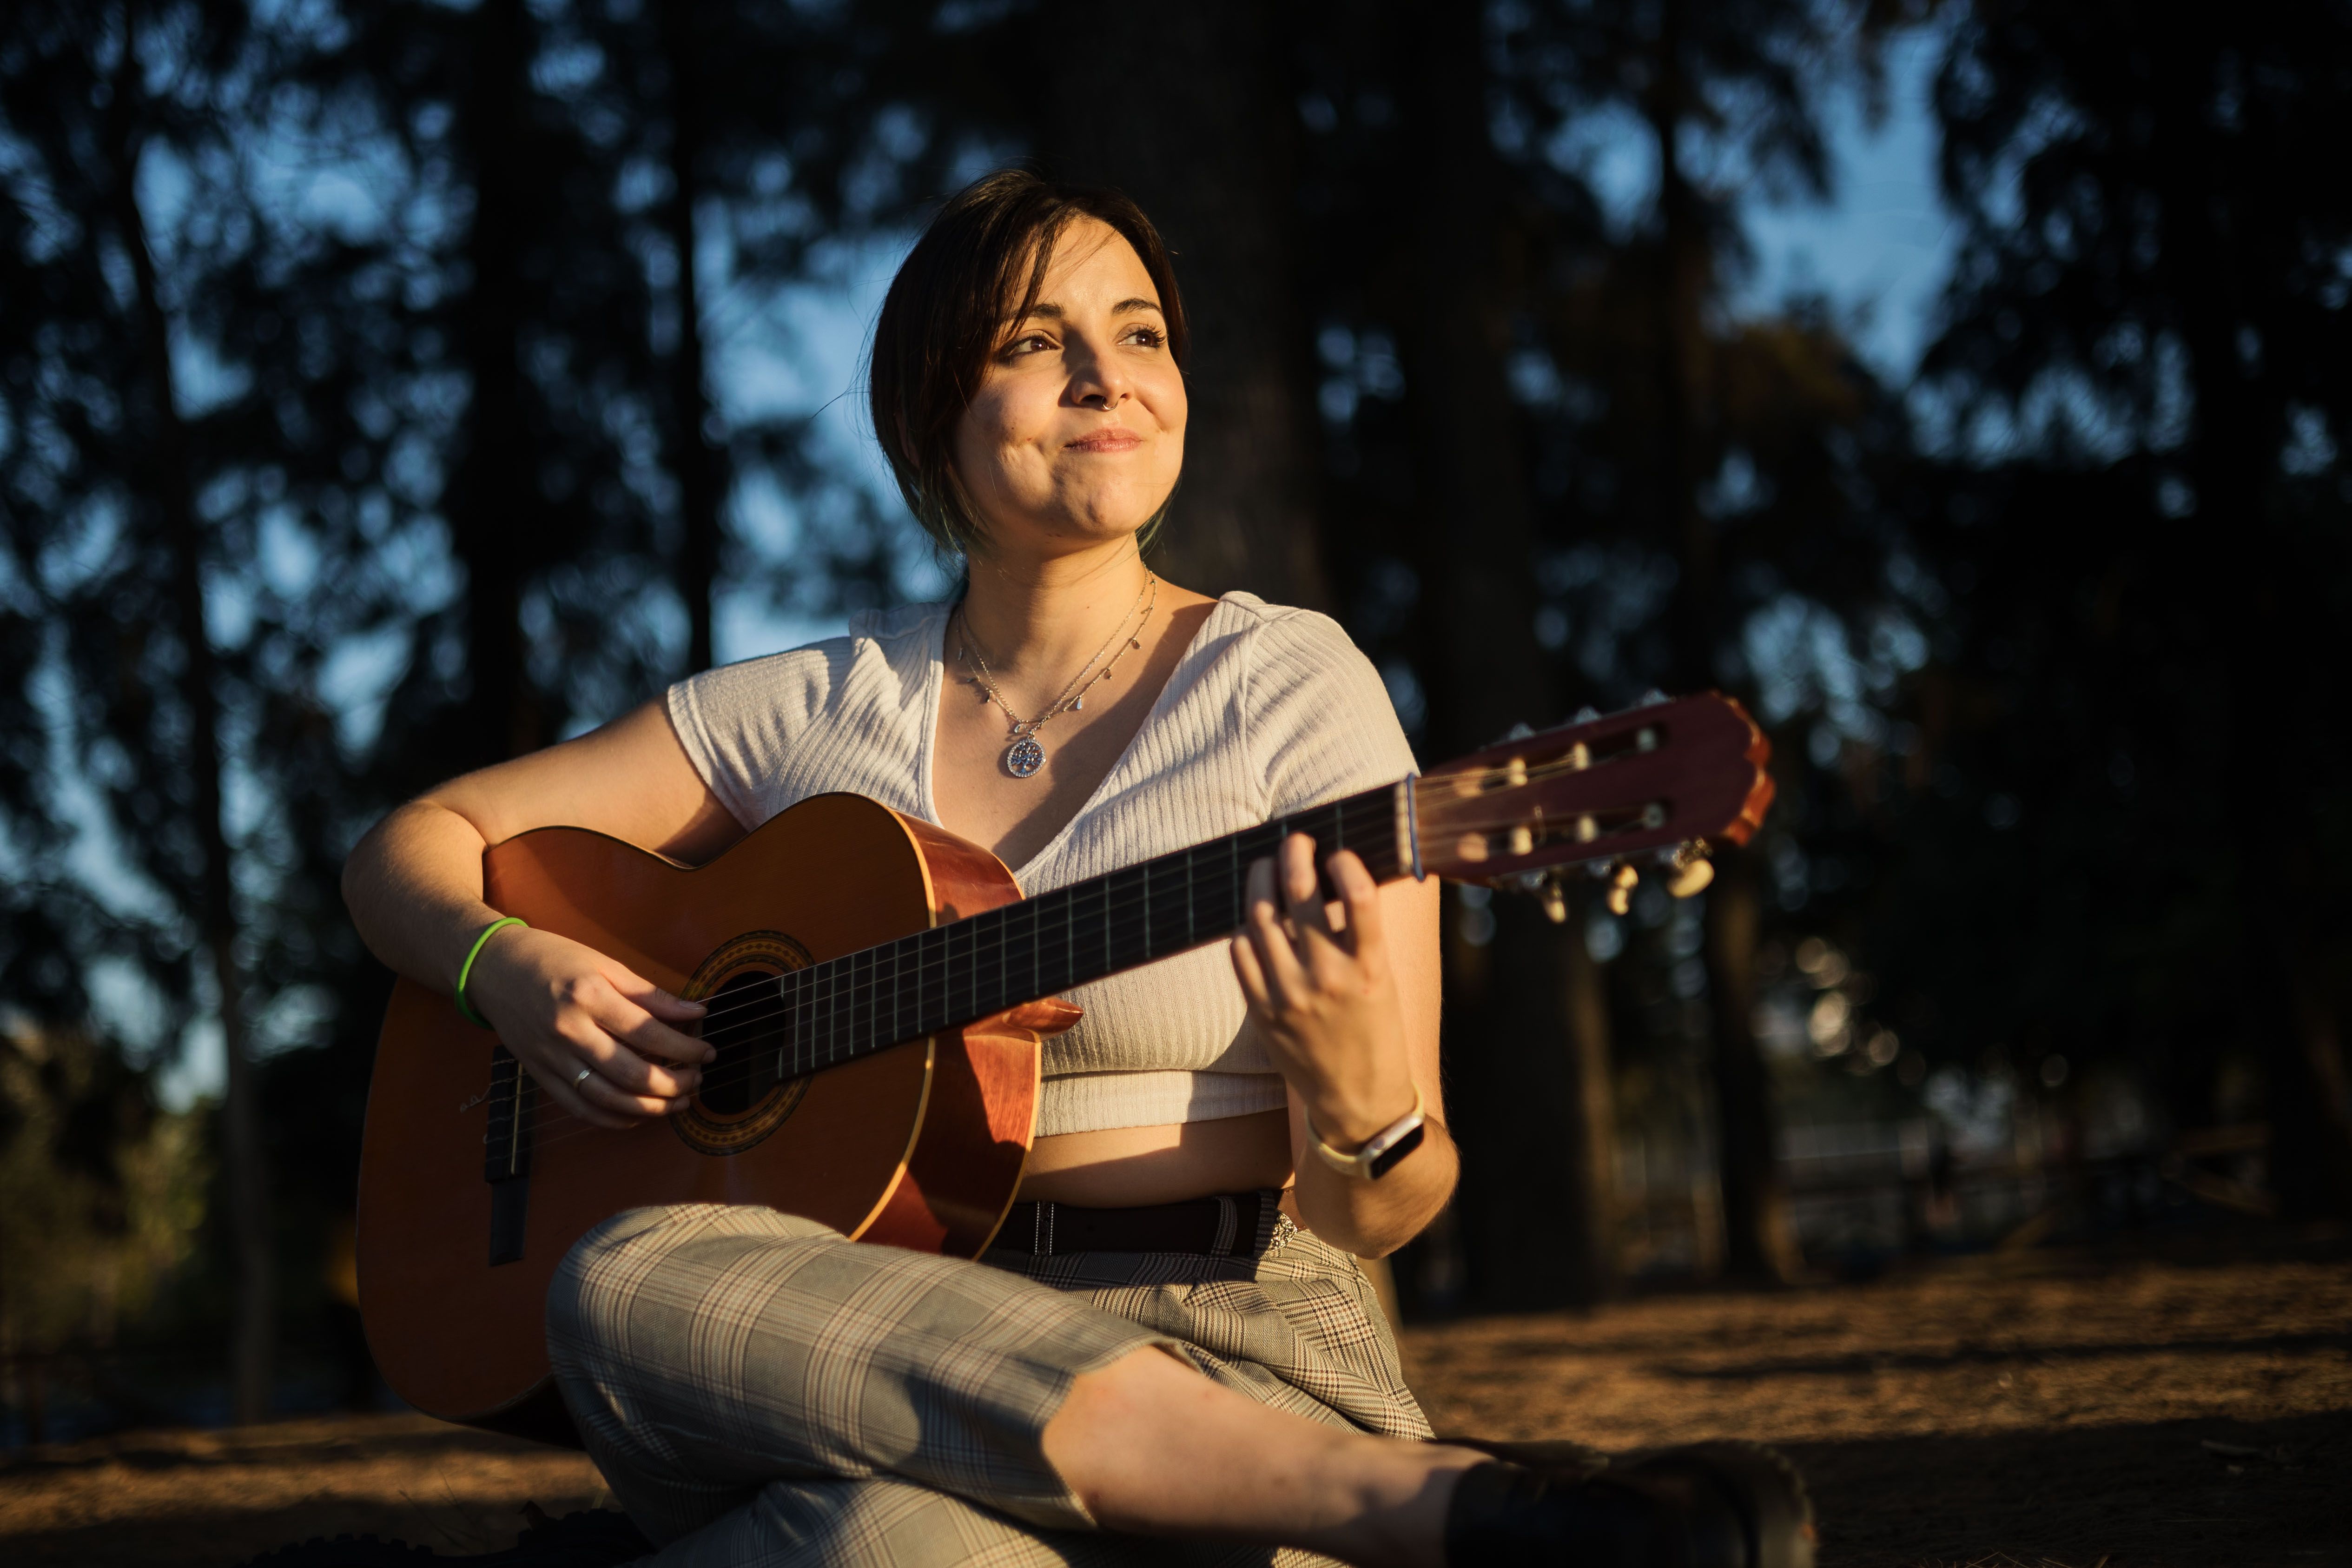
1270 710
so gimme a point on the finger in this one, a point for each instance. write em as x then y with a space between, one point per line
1299 886
632 1107
601 1047
568 1099
1252 975
1277 958
619 1015
678 1060
1360 901
663 1004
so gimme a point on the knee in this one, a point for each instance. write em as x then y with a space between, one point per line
605 1274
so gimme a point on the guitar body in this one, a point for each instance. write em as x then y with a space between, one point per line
918 1145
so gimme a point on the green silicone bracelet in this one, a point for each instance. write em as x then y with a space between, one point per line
465 973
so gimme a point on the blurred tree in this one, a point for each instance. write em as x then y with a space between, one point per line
1529 1053
2150 307
1202 131
102 1196
1723 450
102 106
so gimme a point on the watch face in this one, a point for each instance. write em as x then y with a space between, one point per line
1388 1157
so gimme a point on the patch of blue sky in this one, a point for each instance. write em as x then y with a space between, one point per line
1879 250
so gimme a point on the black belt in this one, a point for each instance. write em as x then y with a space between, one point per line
1222 1226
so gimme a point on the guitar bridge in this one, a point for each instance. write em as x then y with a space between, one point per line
506 1155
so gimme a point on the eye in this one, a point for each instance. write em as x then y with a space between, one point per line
1027 344
1148 337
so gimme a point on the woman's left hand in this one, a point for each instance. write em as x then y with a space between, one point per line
1323 990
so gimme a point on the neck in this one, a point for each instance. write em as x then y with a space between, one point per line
1036 620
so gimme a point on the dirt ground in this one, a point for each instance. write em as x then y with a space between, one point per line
2006 1411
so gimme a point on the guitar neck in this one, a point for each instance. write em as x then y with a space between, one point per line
977 967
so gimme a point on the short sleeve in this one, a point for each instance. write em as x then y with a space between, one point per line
739 721
1320 723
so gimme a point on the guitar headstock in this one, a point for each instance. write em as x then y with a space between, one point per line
1656 783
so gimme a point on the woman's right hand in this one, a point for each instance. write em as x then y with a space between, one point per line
561 1006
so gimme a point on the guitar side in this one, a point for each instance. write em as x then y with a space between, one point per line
920 1145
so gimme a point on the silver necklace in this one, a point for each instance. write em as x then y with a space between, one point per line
1023 754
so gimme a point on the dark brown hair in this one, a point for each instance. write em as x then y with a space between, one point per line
957 296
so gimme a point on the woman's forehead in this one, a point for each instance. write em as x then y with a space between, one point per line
1092 261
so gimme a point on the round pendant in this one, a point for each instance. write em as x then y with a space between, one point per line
1024 757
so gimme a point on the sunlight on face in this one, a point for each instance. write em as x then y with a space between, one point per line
1077 432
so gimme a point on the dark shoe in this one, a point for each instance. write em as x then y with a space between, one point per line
1711 1505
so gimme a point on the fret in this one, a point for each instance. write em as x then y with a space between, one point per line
897 956
861 1000
796 1017
1192 925
980 967
931 987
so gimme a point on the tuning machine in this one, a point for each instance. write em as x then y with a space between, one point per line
1621 877
1547 889
1687 868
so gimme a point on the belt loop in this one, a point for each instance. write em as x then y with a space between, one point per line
1047 1209
1229 1222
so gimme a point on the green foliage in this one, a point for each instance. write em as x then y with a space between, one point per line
103 1194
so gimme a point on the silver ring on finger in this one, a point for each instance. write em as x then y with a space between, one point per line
583 1075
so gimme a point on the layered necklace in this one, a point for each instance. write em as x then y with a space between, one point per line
1023 754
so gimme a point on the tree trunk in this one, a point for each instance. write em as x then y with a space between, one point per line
1527 1062
700 474
494 513
2282 1002
1590 1234
1188 110
1757 1240
254 1331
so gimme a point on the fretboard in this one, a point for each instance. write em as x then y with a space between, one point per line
978 966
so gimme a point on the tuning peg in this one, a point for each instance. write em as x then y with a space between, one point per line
1519 731
1687 868
1585 715
1555 899
1620 897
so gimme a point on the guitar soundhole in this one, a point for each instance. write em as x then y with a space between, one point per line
749 1041
746 1092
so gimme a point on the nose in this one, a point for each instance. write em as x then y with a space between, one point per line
1097 382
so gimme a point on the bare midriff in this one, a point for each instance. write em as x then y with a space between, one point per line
1123 1167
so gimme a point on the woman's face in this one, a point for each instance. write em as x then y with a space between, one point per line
1077 432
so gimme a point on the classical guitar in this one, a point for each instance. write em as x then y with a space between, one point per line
878 991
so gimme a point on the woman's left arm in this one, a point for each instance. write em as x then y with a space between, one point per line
1348 997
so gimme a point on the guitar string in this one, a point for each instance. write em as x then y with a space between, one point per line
1154 886
1435 809
1125 915
551 1127
1121 921
867 993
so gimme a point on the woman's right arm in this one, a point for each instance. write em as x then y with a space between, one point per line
414 886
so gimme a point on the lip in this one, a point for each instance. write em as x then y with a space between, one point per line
1112 440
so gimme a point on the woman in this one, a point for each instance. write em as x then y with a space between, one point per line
1206 1361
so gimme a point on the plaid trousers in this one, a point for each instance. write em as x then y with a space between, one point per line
757 1390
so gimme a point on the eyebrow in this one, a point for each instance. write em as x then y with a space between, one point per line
1054 312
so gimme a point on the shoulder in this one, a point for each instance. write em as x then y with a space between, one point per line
1318 714
1289 648
840 712
816 675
